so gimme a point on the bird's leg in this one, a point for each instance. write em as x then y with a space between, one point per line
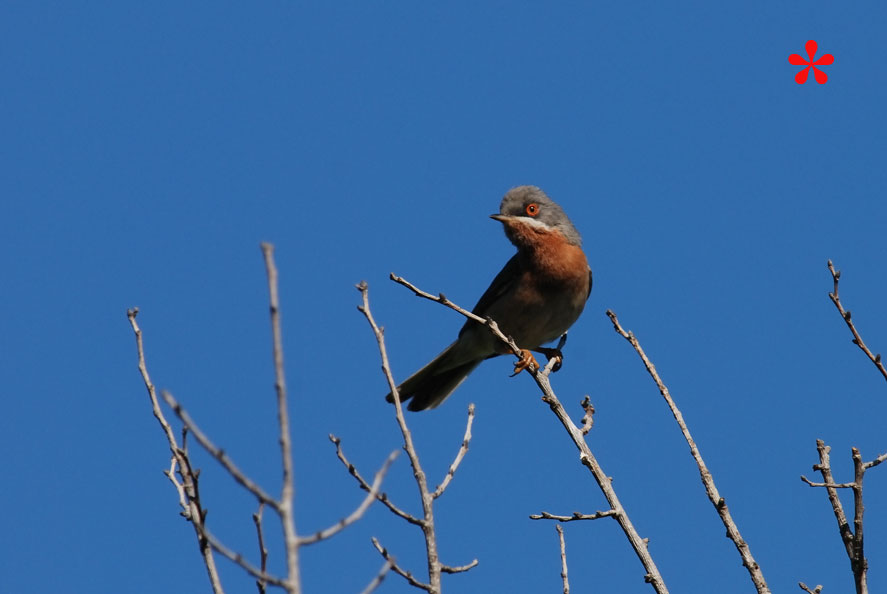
552 354
527 360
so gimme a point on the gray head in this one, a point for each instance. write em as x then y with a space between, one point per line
528 205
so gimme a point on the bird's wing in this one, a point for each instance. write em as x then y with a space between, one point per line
503 283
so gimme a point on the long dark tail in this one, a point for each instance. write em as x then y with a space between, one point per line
431 385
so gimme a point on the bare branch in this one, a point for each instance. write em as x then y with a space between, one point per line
263 552
435 567
217 452
845 314
876 461
240 560
560 535
397 569
187 490
386 567
441 298
576 516
463 449
357 513
588 417
352 470
828 485
285 505
458 568
804 587
824 467
851 537
720 504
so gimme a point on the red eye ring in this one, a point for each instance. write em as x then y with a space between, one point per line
532 209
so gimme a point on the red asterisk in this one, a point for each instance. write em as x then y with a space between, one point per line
825 60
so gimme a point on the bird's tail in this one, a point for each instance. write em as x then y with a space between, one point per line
431 385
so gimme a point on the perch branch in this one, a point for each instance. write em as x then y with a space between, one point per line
585 455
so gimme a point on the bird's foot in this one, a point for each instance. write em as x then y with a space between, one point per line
527 361
552 354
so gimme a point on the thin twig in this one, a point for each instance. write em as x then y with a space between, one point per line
397 569
463 449
358 512
458 568
851 537
442 299
845 314
576 516
720 504
805 588
216 452
435 567
187 489
240 560
285 505
588 417
377 581
828 485
560 535
585 455
263 552
352 470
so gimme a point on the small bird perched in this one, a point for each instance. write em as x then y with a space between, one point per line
535 298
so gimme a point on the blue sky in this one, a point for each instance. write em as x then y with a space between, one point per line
147 150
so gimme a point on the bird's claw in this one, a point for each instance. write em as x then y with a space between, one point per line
527 361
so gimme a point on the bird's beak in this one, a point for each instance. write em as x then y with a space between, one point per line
500 217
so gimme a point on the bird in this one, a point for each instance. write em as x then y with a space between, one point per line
539 293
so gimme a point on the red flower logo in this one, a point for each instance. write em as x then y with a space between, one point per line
825 60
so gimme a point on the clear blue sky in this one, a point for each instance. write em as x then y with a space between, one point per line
147 150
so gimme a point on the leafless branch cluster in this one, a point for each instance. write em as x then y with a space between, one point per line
852 537
427 496
185 477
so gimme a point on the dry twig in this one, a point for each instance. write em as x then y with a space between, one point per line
285 509
263 552
805 588
560 535
754 570
851 537
189 499
576 516
435 567
845 314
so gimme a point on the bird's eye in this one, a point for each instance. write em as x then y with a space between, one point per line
532 209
